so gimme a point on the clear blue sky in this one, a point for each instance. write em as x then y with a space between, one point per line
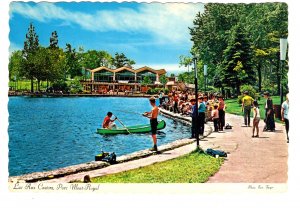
153 34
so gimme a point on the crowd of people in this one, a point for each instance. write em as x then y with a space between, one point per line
211 107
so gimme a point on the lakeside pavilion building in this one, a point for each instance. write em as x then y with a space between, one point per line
103 79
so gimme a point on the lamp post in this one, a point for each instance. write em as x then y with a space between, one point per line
283 47
205 75
196 96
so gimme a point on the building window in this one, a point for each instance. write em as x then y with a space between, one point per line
143 74
103 76
125 76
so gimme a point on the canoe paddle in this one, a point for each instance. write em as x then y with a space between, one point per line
123 124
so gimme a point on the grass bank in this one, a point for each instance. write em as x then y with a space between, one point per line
195 167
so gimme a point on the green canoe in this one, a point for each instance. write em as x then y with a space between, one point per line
132 129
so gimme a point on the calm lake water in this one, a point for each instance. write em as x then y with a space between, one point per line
50 133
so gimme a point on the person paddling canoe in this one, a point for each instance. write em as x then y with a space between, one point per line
153 121
107 122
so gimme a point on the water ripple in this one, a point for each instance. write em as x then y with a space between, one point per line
49 133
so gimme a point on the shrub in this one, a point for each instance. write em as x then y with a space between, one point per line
251 91
157 90
166 91
60 86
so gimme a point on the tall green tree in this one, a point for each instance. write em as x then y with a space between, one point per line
121 60
57 59
53 40
73 67
163 79
41 64
15 65
146 81
237 64
185 61
264 23
31 46
58 64
187 77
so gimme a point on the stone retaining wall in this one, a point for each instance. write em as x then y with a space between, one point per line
42 176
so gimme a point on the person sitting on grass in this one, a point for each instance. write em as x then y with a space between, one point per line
256 118
107 122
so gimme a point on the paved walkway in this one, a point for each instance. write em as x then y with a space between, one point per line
250 160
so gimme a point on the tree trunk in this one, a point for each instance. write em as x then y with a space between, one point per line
38 86
278 77
228 93
222 91
238 91
31 89
259 76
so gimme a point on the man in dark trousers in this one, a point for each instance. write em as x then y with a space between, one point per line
153 122
194 115
201 117
246 107
269 120
221 109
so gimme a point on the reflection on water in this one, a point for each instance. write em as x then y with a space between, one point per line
49 133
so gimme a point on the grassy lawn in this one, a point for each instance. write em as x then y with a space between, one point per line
233 107
195 167
26 85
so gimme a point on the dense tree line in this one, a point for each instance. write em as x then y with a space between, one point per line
240 45
54 64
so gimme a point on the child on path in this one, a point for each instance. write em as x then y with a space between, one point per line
256 119
215 116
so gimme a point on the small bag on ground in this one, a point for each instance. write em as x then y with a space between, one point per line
100 156
228 126
111 158
214 153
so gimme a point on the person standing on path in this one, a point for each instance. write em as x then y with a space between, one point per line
201 115
175 98
270 123
153 122
215 117
256 119
221 109
194 117
246 107
160 98
285 115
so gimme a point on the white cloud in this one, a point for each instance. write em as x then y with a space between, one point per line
165 22
14 47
